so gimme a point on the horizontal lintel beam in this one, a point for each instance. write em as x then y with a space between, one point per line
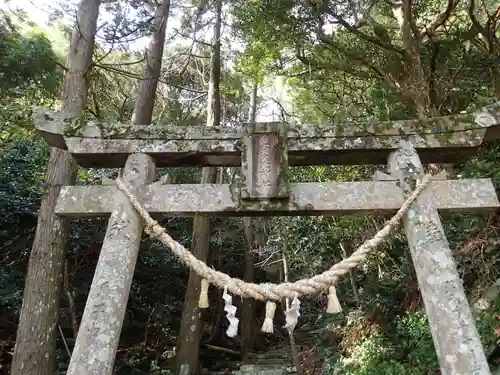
311 199
97 153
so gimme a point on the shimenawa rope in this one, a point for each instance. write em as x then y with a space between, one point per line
268 291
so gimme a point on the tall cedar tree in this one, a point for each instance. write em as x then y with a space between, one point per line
34 352
191 323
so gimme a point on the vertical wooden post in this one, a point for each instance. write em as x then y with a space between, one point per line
100 329
456 339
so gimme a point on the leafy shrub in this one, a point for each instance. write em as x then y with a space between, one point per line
405 348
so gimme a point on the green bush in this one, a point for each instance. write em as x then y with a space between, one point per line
404 348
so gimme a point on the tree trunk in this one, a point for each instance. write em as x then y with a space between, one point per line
191 322
416 84
291 335
495 75
34 352
248 305
106 304
144 105
213 99
215 333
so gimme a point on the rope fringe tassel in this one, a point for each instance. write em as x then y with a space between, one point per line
268 325
203 302
334 306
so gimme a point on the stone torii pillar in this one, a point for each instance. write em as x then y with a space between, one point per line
455 336
100 329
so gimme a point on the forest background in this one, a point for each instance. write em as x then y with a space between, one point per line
309 62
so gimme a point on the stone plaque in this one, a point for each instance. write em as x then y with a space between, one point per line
264 163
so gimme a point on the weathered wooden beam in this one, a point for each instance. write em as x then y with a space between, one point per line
456 339
333 198
439 140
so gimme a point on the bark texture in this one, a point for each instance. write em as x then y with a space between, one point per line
416 85
191 322
144 105
248 323
34 352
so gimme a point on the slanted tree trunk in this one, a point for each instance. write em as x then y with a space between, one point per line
248 306
191 322
34 352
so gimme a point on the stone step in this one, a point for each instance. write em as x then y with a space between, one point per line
278 353
274 361
270 362
261 370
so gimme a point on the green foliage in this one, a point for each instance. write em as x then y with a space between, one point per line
29 75
21 183
370 356
22 179
268 31
113 85
484 164
405 348
415 340
27 59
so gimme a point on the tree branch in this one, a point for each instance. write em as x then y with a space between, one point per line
441 18
401 10
363 59
408 10
471 11
387 45
316 67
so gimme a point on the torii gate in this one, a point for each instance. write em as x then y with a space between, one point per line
264 151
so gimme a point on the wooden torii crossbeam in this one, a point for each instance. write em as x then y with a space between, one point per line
264 152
